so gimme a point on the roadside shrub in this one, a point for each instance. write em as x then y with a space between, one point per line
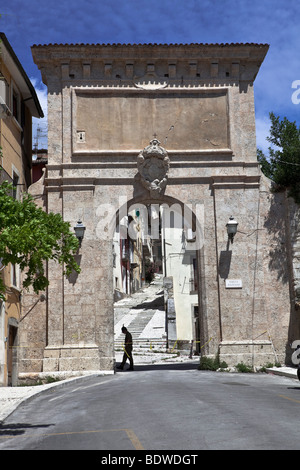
241 367
209 363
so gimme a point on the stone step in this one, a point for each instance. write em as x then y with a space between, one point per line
142 307
138 325
143 342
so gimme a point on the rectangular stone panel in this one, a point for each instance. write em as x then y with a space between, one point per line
128 120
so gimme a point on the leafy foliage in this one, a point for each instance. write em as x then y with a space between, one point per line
29 237
283 163
209 363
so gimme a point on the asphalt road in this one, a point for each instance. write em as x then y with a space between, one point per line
166 408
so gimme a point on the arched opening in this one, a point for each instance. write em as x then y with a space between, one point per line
157 246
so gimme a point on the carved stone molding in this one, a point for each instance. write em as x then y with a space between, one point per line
150 81
153 166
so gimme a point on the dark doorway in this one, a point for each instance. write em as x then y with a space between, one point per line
12 355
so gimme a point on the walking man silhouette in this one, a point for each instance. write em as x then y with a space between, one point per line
127 350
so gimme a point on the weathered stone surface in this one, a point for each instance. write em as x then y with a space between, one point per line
105 104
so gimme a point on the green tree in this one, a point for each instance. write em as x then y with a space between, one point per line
283 163
30 236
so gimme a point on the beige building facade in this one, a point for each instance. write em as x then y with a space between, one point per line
18 104
133 126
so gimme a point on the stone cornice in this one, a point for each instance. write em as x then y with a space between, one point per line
144 62
90 182
137 51
89 165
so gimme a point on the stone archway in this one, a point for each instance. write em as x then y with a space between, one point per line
175 227
106 102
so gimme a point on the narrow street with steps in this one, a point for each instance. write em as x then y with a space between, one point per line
143 314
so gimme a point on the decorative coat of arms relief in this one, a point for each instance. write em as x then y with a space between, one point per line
153 165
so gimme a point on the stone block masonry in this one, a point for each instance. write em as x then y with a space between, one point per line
106 103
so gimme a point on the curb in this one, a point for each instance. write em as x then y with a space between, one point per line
283 371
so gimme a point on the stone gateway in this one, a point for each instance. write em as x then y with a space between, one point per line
162 125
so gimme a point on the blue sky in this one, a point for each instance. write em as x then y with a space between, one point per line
275 22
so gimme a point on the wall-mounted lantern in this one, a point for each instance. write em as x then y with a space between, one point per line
231 228
79 231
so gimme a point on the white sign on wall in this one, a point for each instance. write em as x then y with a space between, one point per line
233 284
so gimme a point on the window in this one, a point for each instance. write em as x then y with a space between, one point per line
4 98
14 278
4 91
194 279
16 104
114 257
15 185
172 218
